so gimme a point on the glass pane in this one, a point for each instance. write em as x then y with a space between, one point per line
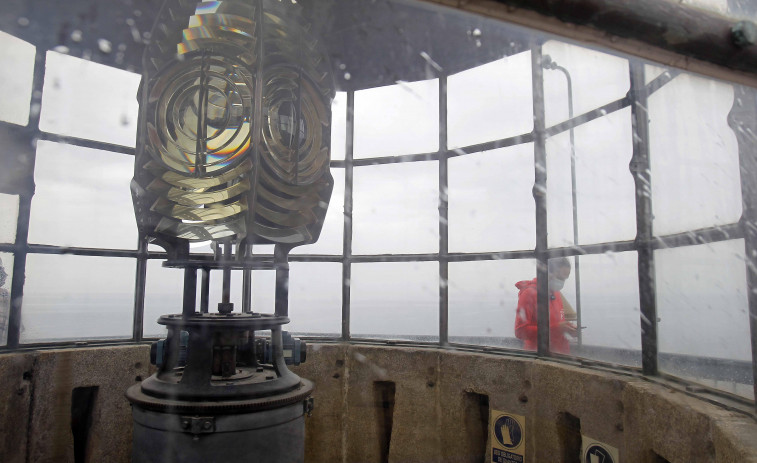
330 241
396 208
397 119
8 218
315 298
704 317
82 198
694 156
483 300
75 297
609 310
6 278
89 100
164 292
597 79
475 99
338 126
605 198
395 300
16 72
491 206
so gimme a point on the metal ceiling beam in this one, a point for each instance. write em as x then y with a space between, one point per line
664 31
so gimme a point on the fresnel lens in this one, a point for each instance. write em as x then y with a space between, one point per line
233 149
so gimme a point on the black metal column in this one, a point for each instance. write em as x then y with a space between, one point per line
640 169
347 238
743 121
540 198
190 291
205 291
443 217
281 264
139 289
25 207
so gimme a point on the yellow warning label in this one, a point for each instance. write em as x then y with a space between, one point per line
593 451
508 437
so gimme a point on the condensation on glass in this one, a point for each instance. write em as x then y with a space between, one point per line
82 198
77 298
6 277
89 100
17 58
455 140
395 300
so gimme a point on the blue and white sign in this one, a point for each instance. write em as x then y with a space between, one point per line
508 436
598 452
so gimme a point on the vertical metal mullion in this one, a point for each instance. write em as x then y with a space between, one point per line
574 201
140 282
640 169
743 121
540 198
24 208
246 289
443 217
19 271
281 266
347 239
190 291
205 291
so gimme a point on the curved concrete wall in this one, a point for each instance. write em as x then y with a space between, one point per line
395 404
441 398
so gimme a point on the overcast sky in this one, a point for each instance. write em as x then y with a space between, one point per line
83 199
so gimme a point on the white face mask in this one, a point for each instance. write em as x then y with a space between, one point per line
556 284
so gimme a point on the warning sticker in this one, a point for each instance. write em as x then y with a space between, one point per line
594 451
508 437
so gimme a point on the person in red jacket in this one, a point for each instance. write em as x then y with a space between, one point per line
525 317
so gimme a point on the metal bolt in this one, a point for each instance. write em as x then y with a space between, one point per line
185 424
744 34
206 425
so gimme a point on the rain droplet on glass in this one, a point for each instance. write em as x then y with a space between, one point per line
104 45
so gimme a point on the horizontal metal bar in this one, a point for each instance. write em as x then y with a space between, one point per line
125 341
364 258
602 111
491 145
502 255
596 248
98 145
61 250
701 236
396 159
659 81
315 258
694 237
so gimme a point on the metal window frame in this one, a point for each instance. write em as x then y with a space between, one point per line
644 244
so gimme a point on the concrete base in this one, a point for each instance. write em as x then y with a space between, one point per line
395 404
39 388
442 399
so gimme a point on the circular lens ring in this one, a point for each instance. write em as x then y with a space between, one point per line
280 91
179 84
